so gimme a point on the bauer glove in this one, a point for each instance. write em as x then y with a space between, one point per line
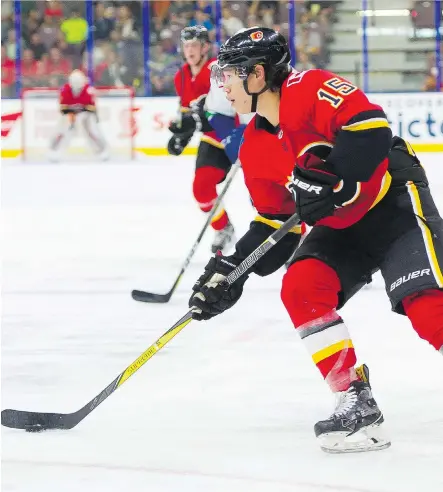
177 143
313 186
211 295
192 121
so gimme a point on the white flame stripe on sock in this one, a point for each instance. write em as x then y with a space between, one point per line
426 234
207 204
319 341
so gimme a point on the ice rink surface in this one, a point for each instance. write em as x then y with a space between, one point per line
228 405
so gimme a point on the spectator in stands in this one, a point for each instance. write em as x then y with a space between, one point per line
129 44
430 84
309 39
56 69
54 9
206 7
303 62
48 32
37 47
103 24
163 66
111 72
29 27
7 19
11 45
230 23
30 69
201 18
160 8
125 24
183 10
267 11
8 74
75 28
168 46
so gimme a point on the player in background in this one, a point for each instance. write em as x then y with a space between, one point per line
78 109
192 83
366 196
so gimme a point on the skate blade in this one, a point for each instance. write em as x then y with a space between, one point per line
371 438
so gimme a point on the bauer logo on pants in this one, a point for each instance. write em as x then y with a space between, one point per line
409 276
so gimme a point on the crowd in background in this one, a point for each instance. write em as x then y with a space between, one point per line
54 34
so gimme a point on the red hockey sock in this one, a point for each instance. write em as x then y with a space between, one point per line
205 192
425 311
310 294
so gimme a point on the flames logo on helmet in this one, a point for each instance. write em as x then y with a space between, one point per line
256 36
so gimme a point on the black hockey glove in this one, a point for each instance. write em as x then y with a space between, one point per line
211 296
188 123
191 121
177 143
313 186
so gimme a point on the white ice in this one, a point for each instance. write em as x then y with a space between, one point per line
228 405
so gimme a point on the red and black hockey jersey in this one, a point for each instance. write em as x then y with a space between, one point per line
70 102
328 116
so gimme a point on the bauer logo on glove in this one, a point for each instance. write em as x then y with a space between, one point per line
211 295
306 186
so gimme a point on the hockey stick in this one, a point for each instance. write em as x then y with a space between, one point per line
141 295
38 421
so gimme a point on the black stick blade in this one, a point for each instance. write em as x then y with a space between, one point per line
34 421
142 296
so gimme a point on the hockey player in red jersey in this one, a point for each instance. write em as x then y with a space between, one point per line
367 197
192 83
78 109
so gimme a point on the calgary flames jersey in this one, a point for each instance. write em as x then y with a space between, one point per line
191 88
328 116
72 103
267 163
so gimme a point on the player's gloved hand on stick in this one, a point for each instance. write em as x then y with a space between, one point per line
211 296
177 143
189 122
313 185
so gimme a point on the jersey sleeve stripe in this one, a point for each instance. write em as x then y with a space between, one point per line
367 125
314 144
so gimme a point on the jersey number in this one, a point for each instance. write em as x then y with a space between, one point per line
339 86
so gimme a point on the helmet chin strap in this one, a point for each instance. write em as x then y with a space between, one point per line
254 95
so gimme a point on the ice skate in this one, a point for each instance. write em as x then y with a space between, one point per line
355 426
223 238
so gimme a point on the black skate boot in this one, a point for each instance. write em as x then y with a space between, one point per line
223 238
355 425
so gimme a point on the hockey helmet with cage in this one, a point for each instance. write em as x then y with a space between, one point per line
195 33
77 80
255 46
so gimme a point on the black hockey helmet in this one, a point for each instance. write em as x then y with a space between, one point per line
255 46
252 46
195 33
